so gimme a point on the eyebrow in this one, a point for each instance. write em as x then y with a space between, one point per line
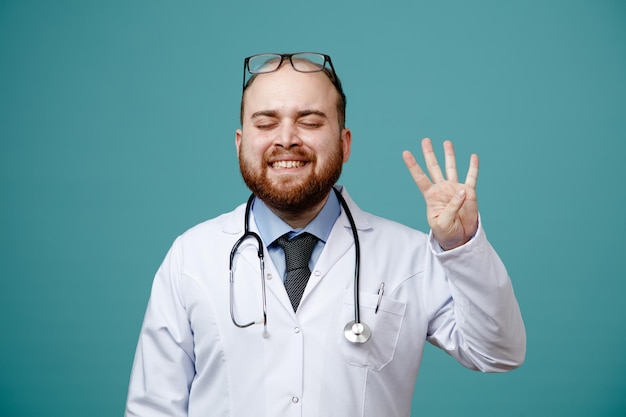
304 113
268 113
301 113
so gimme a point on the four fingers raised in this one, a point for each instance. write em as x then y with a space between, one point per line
434 170
445 197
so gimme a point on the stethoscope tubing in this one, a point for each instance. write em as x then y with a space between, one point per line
246 235
357 255
355 331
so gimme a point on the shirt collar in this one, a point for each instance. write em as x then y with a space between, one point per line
271 227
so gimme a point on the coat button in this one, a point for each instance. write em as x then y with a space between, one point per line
296 329
295 400
268 276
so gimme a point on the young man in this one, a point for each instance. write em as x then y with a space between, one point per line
233 328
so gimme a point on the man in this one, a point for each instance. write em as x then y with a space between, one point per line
227 335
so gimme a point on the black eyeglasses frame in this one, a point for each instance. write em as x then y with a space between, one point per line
246 65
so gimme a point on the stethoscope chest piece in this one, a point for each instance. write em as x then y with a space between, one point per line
357 332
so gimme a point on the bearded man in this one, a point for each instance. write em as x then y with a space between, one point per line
300 304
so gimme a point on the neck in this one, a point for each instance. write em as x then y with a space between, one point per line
299 219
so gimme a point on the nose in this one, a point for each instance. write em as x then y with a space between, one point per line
287 136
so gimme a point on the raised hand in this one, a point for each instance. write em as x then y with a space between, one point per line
451 207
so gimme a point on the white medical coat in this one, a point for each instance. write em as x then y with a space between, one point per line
192 361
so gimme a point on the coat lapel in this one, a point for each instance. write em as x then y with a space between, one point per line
340 241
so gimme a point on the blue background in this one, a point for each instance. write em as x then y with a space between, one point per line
117 125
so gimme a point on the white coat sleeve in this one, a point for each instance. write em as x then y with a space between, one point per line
479 323
164 360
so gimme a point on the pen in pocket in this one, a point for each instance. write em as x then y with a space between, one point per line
381 291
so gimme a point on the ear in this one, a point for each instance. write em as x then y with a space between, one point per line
346 143
238 140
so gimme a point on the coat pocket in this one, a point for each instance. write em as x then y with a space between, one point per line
385 325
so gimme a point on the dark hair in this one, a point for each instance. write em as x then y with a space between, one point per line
341 102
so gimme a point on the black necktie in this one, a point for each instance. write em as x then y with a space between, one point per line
297 254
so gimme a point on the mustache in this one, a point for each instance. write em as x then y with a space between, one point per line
297 152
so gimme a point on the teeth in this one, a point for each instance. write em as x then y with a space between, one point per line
287 164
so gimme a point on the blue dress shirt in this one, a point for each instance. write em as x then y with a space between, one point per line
271 227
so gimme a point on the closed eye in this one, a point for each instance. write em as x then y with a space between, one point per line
311 119
311 124
265 125
265 119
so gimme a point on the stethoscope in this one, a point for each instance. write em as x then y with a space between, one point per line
355 330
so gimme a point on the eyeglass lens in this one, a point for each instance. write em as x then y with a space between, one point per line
302 62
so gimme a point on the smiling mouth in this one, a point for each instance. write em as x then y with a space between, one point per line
288 164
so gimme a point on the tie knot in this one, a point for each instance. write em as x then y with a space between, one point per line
297 250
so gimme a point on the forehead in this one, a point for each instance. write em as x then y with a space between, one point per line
289 89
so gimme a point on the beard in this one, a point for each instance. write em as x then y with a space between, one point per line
289 193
